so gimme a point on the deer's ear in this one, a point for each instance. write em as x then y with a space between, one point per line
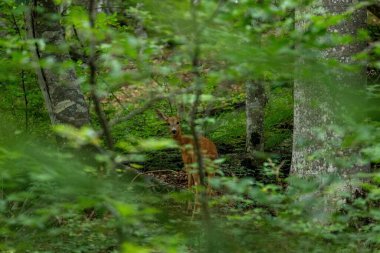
161 115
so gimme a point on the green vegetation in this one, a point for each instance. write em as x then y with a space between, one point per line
64 189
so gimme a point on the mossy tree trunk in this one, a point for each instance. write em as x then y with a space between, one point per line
254 141
63 98
323 97
255 105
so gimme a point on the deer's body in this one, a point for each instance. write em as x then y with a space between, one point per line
208 148
209 152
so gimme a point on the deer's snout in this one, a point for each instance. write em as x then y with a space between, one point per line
174 131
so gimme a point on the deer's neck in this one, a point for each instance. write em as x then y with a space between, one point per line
182 140
179 138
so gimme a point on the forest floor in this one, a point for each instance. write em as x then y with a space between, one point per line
167 166
178 179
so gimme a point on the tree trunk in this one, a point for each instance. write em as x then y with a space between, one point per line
63 98
375 9
321 99
255 105
254 108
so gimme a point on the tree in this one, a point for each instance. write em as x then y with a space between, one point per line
255 105
60 88
320 100
254 109
375 9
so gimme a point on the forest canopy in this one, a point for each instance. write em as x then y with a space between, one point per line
189 126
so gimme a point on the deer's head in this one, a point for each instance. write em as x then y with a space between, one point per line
173 123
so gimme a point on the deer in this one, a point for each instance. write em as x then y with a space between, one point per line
186 143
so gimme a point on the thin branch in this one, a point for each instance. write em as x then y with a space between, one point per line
18 30
146 106
167 90
77 36
25 100
92 80
119 221
118 101
138 111
198 91
42 80
113 95
193 116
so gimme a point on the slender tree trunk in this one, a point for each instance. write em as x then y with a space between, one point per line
255 105
92 78
254 108
63 98
321 100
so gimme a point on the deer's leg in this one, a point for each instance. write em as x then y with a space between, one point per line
190 183
190 180
197 205
210 172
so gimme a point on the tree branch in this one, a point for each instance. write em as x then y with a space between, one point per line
92 79
147 105
23 86
42 80
25 99
200 162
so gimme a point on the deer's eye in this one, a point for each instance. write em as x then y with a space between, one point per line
177 122
168 124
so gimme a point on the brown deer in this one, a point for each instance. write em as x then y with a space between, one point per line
186 143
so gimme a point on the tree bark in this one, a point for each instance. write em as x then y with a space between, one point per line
254 108
60 88
321 99
375 9
255 105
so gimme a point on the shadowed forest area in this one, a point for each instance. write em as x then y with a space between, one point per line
152 126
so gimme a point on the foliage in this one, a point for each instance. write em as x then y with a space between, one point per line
49 194
76 196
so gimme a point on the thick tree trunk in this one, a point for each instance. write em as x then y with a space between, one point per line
63 98
320 100
255 105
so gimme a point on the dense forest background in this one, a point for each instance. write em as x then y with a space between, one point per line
288 90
